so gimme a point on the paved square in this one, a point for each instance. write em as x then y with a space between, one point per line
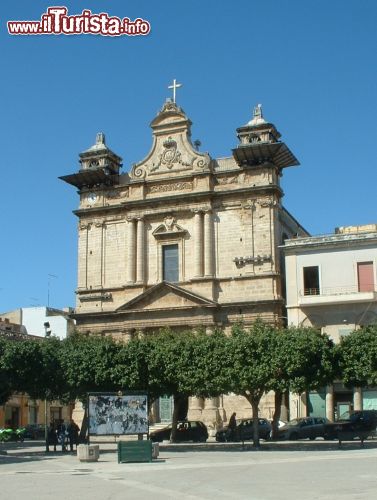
275 472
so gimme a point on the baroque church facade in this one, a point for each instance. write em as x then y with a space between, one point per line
183 240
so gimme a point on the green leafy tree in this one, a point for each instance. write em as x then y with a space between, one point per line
88 365
302 359
358 357
51 378
175 364
131 371
32 366
167 360
208 366
251 369
22 361
5 383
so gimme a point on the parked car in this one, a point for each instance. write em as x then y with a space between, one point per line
357 424
245 431
187 430
35 431
303 428
281 423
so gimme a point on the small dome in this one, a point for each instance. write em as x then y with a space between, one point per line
257 116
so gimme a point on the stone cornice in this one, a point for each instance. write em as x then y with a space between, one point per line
223 305
329 241
184 198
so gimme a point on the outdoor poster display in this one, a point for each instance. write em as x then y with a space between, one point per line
110 414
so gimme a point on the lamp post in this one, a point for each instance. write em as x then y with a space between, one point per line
46 429
47 334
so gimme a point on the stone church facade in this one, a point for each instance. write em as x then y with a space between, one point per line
183 240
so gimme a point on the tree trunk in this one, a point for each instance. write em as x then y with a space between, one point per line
254 406
276 417
176 409
83 436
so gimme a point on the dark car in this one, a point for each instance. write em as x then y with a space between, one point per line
245 431
303 428
187 430
357 424
35 431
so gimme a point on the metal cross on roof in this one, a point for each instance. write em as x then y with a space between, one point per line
175 86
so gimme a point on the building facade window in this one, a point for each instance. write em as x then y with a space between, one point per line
33 415
311 280
55 414
170 263
365 276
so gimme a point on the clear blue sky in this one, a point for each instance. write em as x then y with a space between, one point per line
311 64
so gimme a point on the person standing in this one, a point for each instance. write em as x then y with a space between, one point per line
73 434
52 436
61 433
232 425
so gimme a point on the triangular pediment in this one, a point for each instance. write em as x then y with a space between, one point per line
172 152
169 228
166 295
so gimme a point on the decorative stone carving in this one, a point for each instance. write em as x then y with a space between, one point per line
169 106
250 204
171 155
170 223
258 259
174 186
113 194
172 149
267 203
227 180
168 228
96 296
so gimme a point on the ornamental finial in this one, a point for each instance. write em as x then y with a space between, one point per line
100 138
257 112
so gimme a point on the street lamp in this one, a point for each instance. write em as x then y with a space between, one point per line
47 334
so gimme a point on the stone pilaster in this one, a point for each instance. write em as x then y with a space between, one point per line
357 398
221 409
304 405
208 244
198 244
330 402
195 408
131 251
284 413
211 416
140 251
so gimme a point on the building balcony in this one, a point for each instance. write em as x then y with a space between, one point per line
335 295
